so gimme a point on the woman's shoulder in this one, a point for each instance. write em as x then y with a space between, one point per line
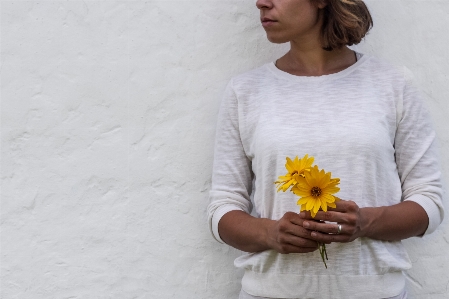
388 69
252 77
253 72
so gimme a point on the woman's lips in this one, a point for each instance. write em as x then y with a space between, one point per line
266 22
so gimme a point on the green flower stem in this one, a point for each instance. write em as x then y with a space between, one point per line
323 252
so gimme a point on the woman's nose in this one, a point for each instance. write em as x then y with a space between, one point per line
264 4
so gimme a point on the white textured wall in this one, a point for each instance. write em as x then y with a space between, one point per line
108 110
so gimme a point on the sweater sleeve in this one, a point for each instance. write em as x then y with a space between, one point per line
416 156
232 174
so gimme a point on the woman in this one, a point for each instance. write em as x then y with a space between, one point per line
360 118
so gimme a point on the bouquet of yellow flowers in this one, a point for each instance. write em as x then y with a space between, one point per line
314 187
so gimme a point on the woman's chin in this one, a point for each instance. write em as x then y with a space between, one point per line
276 39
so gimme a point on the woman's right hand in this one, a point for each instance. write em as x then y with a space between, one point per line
250 234
287 235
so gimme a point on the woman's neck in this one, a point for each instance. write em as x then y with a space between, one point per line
313 60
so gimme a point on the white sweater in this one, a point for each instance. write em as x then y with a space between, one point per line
368 126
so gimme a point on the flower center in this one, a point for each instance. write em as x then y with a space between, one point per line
316 191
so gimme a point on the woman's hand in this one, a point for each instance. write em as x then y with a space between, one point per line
250 234
348 223
288 235
388 223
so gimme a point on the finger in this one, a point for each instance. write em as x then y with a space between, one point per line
305 215
298 219
288 248
297 230
329 228
300 242
332 216
340 206
330 238
344 206
291 231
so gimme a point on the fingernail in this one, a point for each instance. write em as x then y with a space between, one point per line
313 234
305 224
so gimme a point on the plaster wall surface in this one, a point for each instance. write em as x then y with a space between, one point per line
108 113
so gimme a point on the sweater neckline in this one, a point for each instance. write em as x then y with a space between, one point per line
361 60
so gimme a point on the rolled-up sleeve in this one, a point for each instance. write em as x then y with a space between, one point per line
417 156
232 174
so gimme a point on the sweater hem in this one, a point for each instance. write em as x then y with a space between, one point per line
278 285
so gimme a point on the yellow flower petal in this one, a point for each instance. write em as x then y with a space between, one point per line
305 200
331 190
328 197
295 168
289 165
325 179
310 203
300 191
331 204
324 205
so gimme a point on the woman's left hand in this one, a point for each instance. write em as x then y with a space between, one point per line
347 223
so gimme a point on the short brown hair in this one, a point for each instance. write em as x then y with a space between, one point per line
346 22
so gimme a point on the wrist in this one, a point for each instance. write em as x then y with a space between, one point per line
368 218
266 238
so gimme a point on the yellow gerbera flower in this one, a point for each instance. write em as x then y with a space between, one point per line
296 170
316 190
